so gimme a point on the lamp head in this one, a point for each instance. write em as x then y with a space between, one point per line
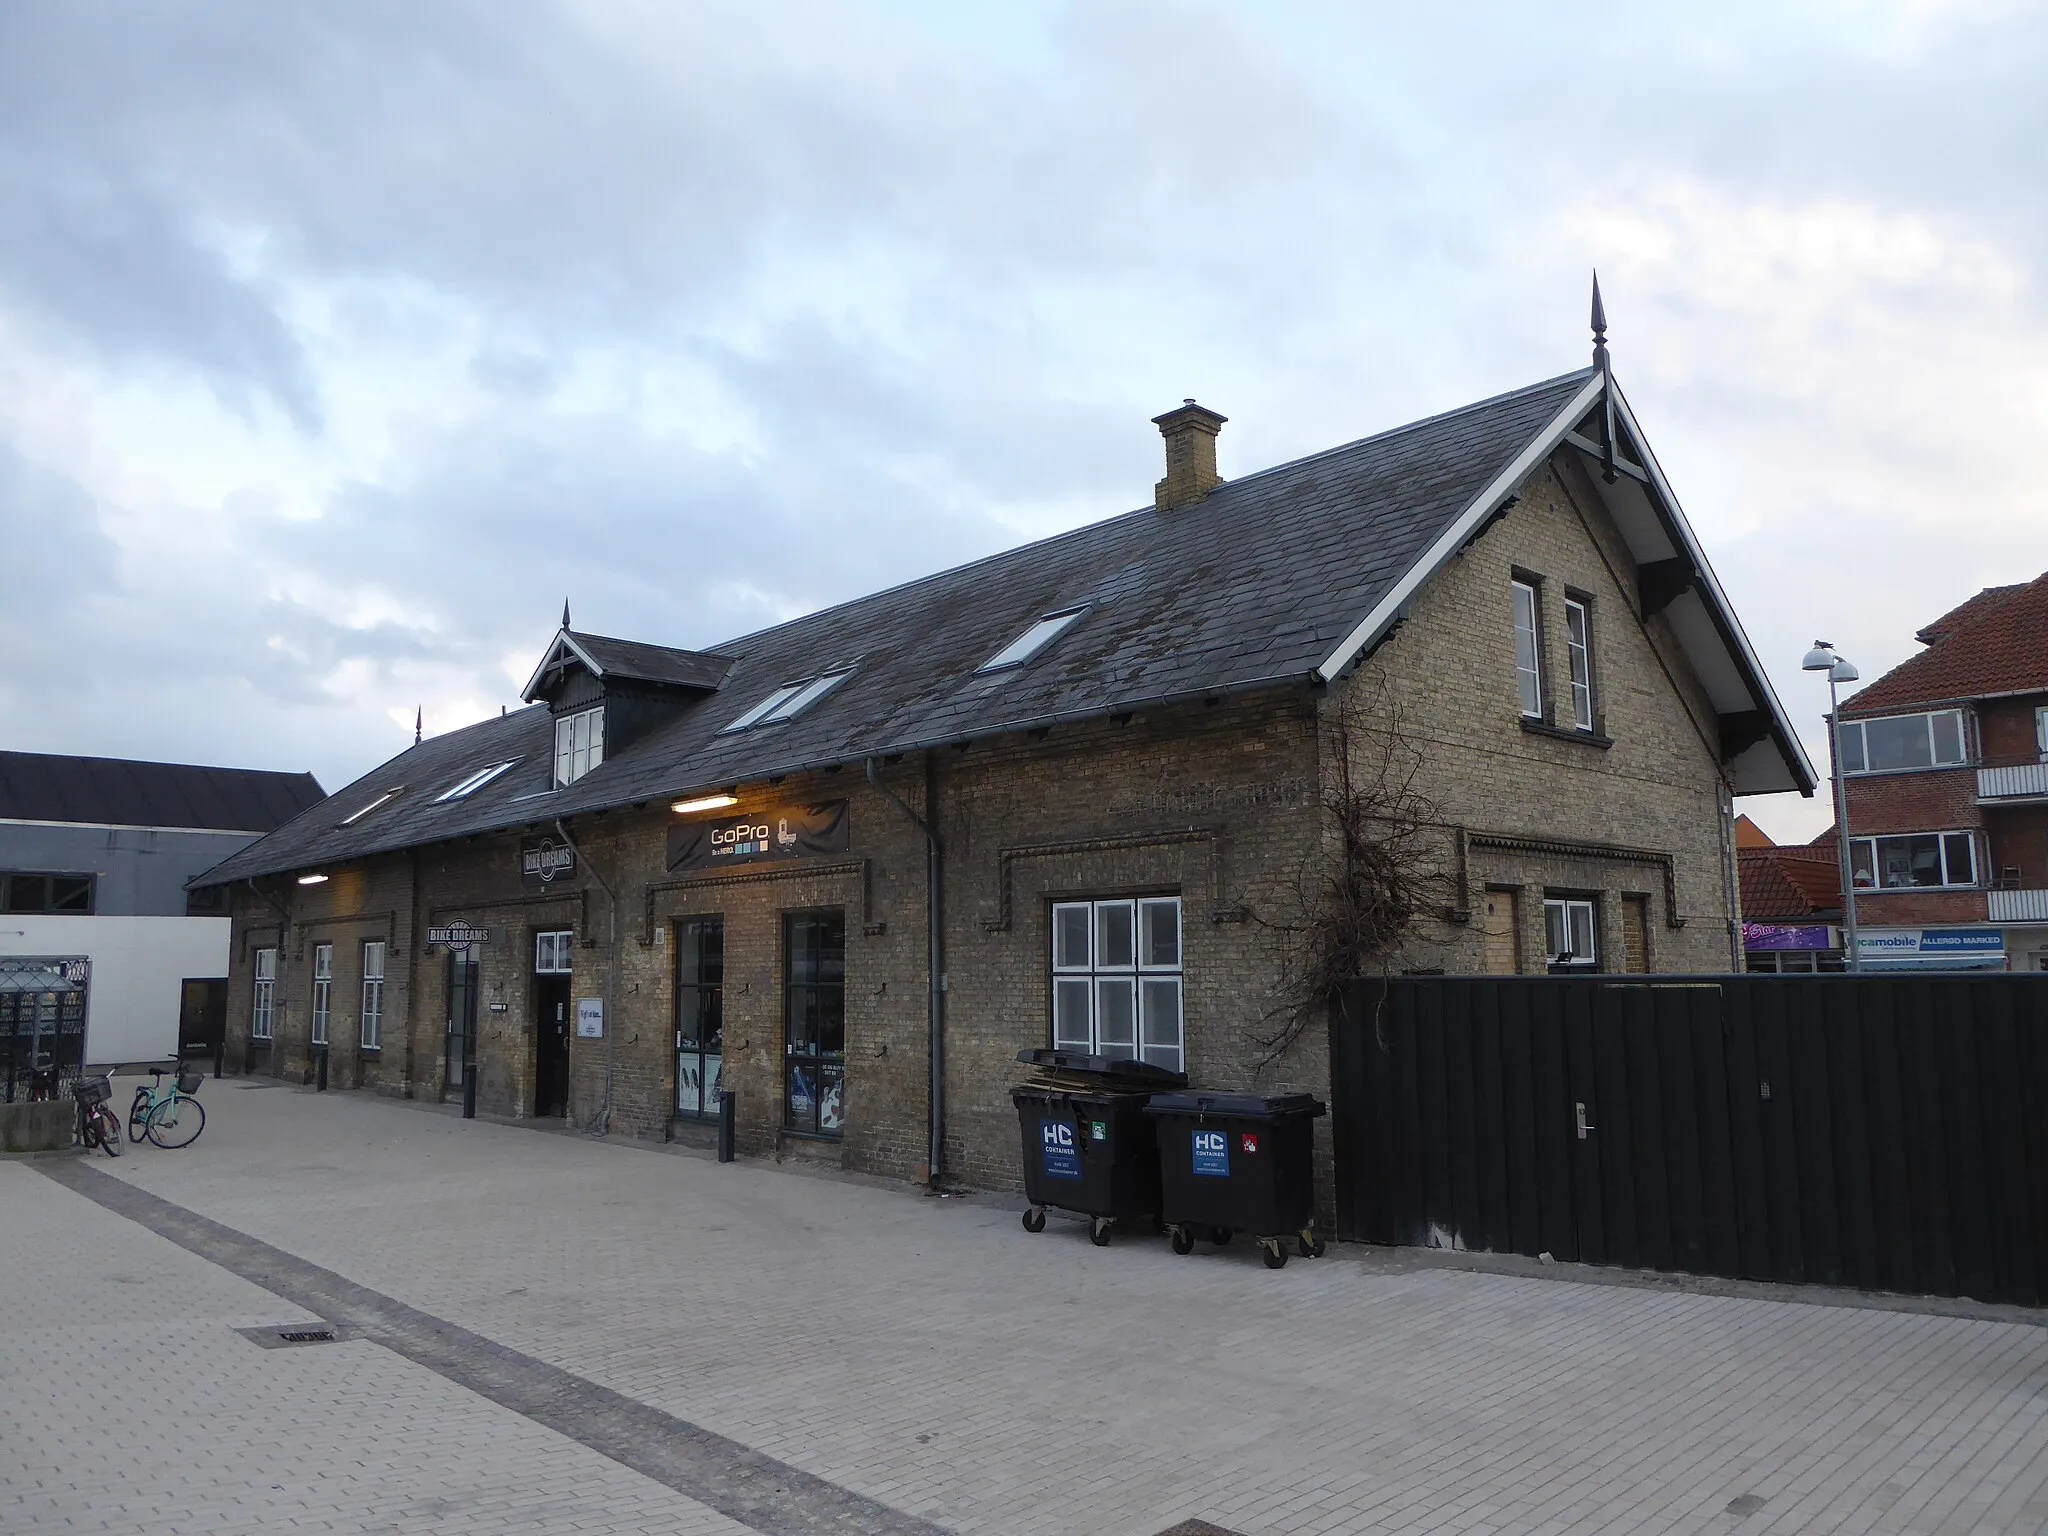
1819 659
1843 672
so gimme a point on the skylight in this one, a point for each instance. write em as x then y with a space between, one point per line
355 816
1032 641
475 781
790 700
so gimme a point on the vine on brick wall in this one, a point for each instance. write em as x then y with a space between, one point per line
1375 868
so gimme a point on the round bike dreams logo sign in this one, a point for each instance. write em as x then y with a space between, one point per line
543 860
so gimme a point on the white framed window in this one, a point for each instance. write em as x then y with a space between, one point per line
383 799
1915 861
1894 742
579 745
1035 639
474 782
372 1033
1578 631
323 991
263 1005
1570 934
790 700
1116 979
2041 732
1528 650
553 953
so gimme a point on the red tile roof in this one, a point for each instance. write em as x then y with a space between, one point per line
1996 643
1779 884
1749 835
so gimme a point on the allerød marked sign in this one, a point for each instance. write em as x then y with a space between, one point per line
458 933
544 860
589 1018
1056 1148
1212 1154
786 832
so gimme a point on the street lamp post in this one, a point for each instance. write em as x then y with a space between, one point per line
1822 658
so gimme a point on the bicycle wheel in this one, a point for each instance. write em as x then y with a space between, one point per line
110 1131
138 1112
178 1123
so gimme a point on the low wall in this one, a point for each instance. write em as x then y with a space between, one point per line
45 1127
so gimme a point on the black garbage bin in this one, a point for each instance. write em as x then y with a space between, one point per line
1238 1162
1087 1143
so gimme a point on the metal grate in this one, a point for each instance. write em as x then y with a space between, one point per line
274 1337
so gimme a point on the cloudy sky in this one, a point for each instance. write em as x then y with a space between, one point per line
338 343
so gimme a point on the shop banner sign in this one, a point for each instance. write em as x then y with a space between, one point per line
1056 1143
787 832
458 934
1787 936
544 860
1930 943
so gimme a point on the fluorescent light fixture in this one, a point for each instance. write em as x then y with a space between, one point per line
704 803
316 878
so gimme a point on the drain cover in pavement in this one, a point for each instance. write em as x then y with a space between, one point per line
1196 1528
284 1338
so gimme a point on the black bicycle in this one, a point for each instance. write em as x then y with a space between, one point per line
100 1126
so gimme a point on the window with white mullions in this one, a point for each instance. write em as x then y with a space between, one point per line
579 745
371 1034
1915 861
554 954
1578 629
263 1002
1033 640
1897 742
1570 933
1116 979
323 990
1528 650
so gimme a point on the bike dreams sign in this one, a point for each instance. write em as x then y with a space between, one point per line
545 860
458 935
786 832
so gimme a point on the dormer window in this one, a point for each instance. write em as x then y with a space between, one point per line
475 781
790 700
579 745
1032 641
357 815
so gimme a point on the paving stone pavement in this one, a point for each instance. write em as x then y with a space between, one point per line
931 1356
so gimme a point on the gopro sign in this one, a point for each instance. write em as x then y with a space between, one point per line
1056 1150
1212 1154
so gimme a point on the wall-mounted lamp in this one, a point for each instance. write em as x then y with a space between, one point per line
316 878
704 803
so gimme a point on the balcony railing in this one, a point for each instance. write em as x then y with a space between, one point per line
2017 906
2013 781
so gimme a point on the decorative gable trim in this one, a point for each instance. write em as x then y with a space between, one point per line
564 646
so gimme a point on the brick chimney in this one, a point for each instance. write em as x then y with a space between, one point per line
1190 434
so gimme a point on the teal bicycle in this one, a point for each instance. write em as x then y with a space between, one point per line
169 1116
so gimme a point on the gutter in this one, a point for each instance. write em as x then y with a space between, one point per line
935 925
601 1123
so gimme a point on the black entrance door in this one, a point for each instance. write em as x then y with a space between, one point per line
202 1018
460 1050
551 1045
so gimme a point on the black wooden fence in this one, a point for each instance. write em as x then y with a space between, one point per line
1887 1132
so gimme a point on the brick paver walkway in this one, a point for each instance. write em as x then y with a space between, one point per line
925 1356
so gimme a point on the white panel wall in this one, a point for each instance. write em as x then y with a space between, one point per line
131 1011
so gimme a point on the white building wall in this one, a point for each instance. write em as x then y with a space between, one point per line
138 964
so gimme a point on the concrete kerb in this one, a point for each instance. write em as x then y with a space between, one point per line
1380 1259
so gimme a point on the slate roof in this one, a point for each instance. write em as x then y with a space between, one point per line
636 660
1996 643
115 791
1787 884
1251 588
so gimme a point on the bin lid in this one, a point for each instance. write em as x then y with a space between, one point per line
1119 1070
1239 1106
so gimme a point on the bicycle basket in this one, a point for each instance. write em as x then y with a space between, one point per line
189 1080
91 1090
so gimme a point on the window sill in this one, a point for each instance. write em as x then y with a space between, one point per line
1589 738
829 1138
369 1050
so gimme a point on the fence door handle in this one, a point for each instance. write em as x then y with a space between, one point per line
1583 1127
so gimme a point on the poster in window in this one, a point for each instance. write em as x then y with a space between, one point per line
783 832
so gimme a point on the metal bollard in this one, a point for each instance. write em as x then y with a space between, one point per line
320 1072
727 1100
469 1091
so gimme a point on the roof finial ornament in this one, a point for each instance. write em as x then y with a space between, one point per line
565 613
419 721
1604 366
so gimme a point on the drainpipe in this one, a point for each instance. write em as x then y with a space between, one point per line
935 924
601 1124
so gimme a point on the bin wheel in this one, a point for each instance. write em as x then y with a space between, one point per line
1276 1255
1034 1219
1312 1247
1098 1231
1220 1236
1183 1240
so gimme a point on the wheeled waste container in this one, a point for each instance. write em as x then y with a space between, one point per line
1238 1162
1087 1142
